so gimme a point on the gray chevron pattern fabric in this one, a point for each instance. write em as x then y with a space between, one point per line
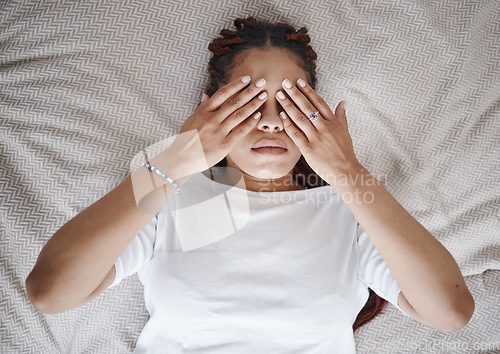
86 85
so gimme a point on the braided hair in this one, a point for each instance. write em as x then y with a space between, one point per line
251 33
227 51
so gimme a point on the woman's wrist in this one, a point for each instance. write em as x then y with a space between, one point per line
151 190
155 180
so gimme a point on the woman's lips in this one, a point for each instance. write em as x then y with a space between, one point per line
270 150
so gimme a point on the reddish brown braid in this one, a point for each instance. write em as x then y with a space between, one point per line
227 51
374 305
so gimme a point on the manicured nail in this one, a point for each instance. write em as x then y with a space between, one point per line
260 83
287 83
301 83
263 95
257 116
281 95
283 115
246 79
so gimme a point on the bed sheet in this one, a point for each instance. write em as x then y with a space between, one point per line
86 85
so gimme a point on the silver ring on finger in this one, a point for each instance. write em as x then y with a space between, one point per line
313 115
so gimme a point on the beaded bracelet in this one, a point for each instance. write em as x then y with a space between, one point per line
177 189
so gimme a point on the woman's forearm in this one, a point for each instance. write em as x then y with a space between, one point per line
82 252
426 272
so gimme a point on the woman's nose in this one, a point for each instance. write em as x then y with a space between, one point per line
270 120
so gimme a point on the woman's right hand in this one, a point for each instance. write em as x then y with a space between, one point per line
223 119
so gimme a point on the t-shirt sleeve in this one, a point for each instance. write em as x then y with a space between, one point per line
138 252
373 271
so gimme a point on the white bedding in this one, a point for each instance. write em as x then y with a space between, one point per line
85 85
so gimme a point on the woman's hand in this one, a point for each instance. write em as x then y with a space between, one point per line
325 143
223 119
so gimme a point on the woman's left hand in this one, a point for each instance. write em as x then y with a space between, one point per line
325 143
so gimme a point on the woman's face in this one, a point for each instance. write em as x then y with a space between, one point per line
261 171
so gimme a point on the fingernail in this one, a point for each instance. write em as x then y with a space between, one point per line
260 83
257 116
287 83
263 95
301 83
281 95
246 79
282 115
203 97
345 105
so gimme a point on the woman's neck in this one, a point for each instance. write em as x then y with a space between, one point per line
234 177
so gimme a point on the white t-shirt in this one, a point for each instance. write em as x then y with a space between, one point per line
289 274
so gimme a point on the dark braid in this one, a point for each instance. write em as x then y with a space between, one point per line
251 33
227 52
